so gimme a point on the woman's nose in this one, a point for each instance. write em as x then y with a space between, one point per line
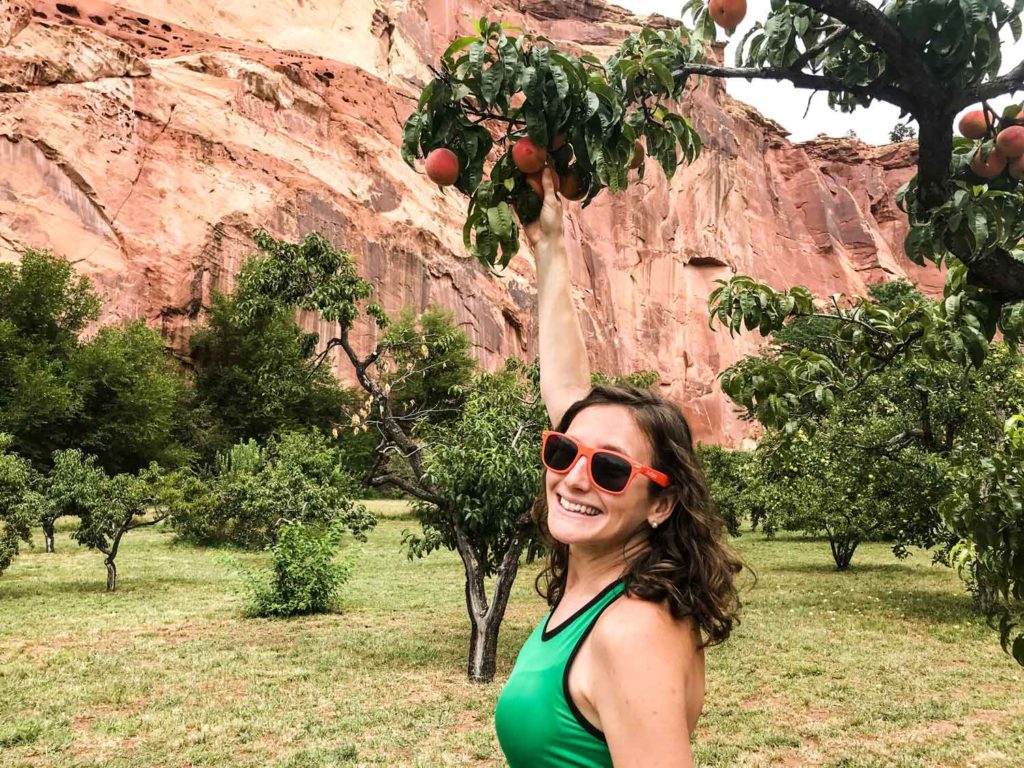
578 475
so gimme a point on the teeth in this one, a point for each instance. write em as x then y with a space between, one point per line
582 509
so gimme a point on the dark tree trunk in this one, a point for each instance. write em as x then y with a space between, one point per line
111 575
842 552
48 535
485 618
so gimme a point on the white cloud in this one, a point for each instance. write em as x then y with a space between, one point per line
786 104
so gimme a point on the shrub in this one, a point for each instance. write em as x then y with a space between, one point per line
297 476
305 576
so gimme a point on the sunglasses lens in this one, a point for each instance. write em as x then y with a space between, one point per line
610 472
559 453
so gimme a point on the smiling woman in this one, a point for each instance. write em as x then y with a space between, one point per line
639 578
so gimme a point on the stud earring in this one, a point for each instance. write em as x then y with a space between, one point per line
654 523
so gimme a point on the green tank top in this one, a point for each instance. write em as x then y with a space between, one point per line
538 724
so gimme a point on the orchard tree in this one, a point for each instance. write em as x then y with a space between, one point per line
315 276
15 515
486 466
986 510
113 506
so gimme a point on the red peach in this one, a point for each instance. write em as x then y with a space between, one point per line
972 125
727 13
989 167
528 156
1010 141
442 166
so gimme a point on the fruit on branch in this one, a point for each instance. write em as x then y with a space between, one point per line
988 167
536 182
442 166
638 154
972 125
528 156
727 13
1016 168
1010 141
572 185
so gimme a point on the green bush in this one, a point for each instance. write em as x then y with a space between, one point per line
305 576
298 476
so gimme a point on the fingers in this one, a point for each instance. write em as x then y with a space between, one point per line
548 182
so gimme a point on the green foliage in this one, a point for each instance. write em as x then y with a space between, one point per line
311 275
787 388
535 90
986 510
44 306
132 396
119 395
257 377
295 476
957 40
486 465
902 132
426 365
305 577
15 516
727 473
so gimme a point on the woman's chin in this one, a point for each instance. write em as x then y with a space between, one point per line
570 527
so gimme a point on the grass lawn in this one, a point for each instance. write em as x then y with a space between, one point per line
881 666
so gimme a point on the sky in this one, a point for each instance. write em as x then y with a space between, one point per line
786 104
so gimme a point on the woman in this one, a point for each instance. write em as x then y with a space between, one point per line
638 577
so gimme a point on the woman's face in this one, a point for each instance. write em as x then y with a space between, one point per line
614 519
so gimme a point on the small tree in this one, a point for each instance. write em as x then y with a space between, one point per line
68 489
113 506
15 518
486 465
727 475
902 132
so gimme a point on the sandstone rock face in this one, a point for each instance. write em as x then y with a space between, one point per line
147 141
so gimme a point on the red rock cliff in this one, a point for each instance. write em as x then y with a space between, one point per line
146 141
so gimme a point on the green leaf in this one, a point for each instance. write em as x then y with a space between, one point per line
458 45
664 76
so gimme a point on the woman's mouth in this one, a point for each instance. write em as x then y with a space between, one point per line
577 509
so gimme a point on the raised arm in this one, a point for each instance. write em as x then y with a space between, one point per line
564 367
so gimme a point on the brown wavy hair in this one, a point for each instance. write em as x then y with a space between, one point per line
686 560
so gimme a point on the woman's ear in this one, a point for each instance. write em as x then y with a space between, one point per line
664 505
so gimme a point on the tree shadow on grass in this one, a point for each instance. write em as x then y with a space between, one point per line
826 565
927 605
13 590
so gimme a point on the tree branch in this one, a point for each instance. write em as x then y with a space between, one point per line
877 28
413 490
1008 83
802 80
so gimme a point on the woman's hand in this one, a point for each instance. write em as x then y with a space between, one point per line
547 229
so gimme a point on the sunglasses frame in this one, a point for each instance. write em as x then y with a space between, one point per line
636 468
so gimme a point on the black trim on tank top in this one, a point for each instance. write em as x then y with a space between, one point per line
588 726
545 635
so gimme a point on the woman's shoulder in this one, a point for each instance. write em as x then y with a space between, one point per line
631 622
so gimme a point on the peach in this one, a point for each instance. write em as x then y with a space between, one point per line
727 13
990 167
528 156
972 125
442 166
1010 141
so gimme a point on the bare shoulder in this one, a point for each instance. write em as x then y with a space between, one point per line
631 623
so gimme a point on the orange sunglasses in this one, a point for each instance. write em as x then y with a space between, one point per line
610 471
